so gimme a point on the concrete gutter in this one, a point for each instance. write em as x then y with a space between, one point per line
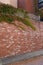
18 58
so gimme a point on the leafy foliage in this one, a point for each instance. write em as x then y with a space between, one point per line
9 13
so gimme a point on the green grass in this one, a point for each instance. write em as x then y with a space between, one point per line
9 14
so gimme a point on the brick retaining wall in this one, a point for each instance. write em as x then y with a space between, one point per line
14 41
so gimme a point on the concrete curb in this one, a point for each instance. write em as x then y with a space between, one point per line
17 58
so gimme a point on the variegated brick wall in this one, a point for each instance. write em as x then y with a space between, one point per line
14 41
